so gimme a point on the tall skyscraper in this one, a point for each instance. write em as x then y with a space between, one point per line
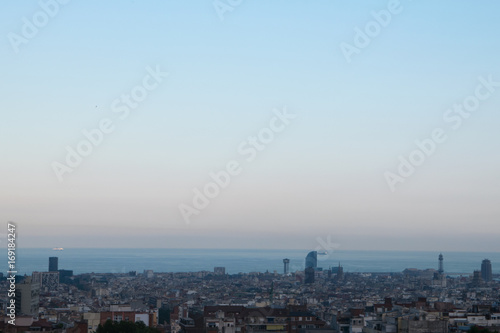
486 273
286 263
441 268
53 266
309 275
312 259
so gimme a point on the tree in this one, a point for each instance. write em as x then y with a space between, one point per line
475 329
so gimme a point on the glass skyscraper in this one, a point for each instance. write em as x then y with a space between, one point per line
486 273
312 259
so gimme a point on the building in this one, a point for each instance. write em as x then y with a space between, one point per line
93 320
301 320
117 313
439 278
219 270
286 265
312 259
476 279
419 324
309 275
188 325
338 271
48 281
233 319
486 273
65 275
53 264
217 319
27 297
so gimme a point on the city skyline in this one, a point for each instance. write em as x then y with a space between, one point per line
83 261
269 125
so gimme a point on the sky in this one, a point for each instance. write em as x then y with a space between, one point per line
357 125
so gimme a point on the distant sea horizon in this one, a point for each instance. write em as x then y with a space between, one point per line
123 260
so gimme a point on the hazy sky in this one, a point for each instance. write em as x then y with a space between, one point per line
362 81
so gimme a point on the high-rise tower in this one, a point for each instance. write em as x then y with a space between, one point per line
440 270
53 264
309 275
286 263
312 259
486 273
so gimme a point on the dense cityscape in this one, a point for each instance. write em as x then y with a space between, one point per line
322 300
232 166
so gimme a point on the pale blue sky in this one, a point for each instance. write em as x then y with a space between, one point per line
323 175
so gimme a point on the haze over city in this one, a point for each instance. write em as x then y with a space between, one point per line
322 124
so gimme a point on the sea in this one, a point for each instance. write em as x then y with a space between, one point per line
86 260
